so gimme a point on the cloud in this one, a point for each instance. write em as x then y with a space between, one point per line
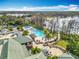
73 8
49 8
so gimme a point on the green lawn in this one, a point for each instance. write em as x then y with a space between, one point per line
0 27
62 43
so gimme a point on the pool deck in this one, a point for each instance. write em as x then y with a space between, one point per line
51 51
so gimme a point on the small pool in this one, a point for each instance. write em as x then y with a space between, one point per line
37 32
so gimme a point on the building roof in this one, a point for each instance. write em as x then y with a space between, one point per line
33 35
26 51
21 39
1 42
12 50
37 56
66 56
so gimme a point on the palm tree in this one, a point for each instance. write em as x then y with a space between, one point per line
36 50
20 21
3 19
20 27
49 36
50 57
25 33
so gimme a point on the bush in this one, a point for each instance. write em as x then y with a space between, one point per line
74 48
36 50
0 28
20 27
11 22
46 31
10 28
73 45
49 35
25 33
62 43
54 57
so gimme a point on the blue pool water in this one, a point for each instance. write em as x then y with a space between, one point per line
37 32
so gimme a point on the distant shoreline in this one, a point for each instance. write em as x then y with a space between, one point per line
53 13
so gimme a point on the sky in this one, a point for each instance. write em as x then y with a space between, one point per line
39 5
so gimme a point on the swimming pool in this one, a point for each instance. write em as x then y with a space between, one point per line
37 32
